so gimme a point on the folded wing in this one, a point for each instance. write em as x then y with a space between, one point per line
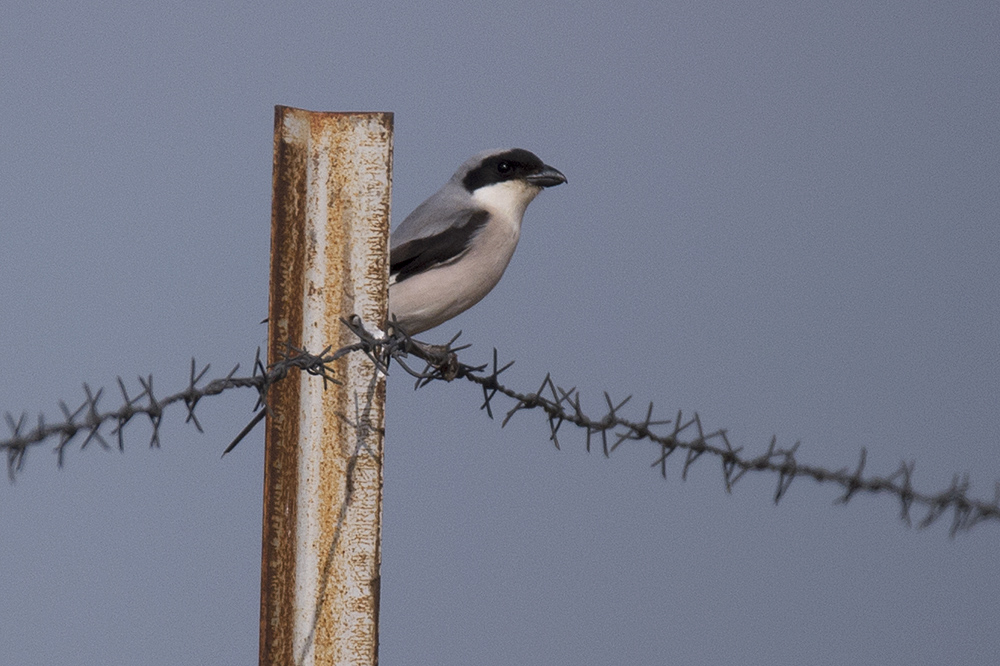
420 244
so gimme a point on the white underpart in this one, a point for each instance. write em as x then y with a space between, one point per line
434 296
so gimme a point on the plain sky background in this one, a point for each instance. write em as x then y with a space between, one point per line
781 215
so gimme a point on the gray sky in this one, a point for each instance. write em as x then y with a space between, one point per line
781 216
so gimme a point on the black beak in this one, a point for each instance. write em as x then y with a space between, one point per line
546 177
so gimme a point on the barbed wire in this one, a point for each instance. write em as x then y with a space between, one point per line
89 420
561 406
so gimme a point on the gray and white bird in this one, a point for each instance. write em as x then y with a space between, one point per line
452 250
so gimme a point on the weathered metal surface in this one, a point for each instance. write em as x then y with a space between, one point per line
323 469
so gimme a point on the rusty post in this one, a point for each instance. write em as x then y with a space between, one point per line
323 458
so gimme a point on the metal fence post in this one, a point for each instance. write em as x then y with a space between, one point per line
323 459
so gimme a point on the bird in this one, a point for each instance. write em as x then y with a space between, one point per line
455 246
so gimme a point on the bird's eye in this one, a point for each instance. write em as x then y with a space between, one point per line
504 167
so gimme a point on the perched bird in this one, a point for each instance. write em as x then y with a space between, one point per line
452 250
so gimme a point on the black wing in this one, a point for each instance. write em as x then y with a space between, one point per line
419 254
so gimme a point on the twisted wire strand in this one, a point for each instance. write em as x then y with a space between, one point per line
610 430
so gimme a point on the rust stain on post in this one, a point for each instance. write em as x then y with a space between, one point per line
323 461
